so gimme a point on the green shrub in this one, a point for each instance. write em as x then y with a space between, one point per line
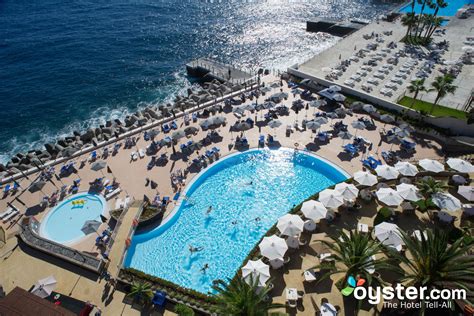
183 310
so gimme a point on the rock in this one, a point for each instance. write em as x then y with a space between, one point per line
62 142
108 130
20 155
118 122
2 168
13 170
76 133
123 129
15 159
25 161
24 167
87 136
97 131
142 121
58 148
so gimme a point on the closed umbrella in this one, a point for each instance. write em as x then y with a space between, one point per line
431 165
387 172
44 287
290 225
407 169
314 210
467 192
331 198
36 186
408 192
273 247
178 135
388 234
256 270
389 196
348 191
90 226
460 165
446 201
365 178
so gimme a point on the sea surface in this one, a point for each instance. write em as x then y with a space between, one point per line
69 65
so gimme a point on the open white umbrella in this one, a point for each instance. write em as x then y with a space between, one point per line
338 97
408 192
331 198
387 172
335 88
387 118
389 197
348 191
273 247
406 168
365 178
358 125
254 270
388 234
345 135
460 165
290 225
446 201
44 287
312 125
431 165
314 210
274 124
321 120
467 192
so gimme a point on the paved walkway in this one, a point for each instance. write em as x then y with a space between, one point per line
118 247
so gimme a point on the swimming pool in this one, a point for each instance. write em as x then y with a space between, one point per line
254 184
63 223
450 10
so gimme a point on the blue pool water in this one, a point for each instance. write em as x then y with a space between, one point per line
450 10
280 178
63 223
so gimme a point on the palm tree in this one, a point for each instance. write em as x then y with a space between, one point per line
435 24
409 20
141 291
353 257
238 298
442 85
416 86
429 186
440 4
434 263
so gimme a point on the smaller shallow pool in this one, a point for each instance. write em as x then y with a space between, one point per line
64 222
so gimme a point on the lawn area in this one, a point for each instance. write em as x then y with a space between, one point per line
439 110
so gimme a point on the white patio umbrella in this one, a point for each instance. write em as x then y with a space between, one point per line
331 198
290 225
358 125
254 270
273 247
446 201
274 124
389 196
348 191
365 178
44 287
314 210
406 168
431 165
387 172
408 192
312 125
388 234
467 192
321 120
460 165
338 97
335 88
387 118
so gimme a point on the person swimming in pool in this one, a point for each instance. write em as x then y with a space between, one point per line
258 219
234 222
204 268
209 210
193 249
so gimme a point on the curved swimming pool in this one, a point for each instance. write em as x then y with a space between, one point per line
64 222
241 187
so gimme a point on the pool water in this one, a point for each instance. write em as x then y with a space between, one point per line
450 10
261 184
63 223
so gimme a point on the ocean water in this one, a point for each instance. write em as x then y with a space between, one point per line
68 65
255 183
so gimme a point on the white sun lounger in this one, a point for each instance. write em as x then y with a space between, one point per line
6 213
113 193
134 155
10 216
141 153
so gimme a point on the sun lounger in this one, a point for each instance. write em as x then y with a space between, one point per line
371 162
134 155
237 115
165 128
215 149
159 299
174 125
7 189
209 153
10 216
113 193
7 212
141 153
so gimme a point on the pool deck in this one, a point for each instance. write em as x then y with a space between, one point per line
456 32
132 177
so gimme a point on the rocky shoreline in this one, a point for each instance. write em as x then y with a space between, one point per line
68 146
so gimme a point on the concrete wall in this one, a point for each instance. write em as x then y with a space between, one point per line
456 126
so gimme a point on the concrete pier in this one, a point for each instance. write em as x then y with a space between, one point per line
335 28
210 69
